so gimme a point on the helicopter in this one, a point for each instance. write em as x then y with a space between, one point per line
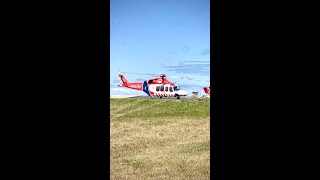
155 87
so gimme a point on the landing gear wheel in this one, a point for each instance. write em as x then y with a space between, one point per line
178 97
160 97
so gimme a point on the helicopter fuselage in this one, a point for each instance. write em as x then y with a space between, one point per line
159 87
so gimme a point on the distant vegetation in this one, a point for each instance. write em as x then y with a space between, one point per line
159 138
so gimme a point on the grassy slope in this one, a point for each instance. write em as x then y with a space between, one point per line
159 139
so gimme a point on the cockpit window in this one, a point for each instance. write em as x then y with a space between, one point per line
176 88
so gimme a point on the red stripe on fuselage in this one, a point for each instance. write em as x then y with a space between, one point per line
136 86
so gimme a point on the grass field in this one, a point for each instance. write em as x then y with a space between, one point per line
159 138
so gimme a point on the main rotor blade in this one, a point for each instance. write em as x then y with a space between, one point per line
187 78
158 75
142 74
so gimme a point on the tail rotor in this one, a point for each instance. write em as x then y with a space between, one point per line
118 76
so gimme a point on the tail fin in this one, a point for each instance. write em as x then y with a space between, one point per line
207 90
124 81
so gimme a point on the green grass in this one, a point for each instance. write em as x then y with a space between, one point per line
159 138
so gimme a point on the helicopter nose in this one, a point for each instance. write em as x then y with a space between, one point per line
186 93
183 93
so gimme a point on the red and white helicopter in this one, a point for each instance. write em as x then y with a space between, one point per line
157 87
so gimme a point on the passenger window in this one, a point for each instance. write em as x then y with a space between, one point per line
162 88
157 88
167 89
171 89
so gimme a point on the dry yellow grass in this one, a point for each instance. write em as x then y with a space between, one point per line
159 139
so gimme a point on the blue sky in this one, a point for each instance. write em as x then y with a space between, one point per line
160 36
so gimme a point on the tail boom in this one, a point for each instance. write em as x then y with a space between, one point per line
136 86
